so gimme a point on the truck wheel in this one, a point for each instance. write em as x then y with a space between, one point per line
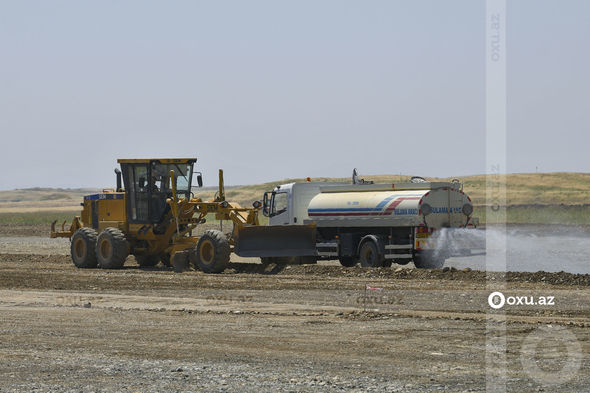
111 249
147 260
369 255
212 252
348 261
428 260
83 248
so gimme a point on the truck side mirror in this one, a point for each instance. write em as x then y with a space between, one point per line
200 180
266 204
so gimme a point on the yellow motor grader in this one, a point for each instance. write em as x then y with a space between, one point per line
152 217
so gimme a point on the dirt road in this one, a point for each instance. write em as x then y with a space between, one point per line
300 328
282 329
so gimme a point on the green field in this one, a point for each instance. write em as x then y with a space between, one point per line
37 218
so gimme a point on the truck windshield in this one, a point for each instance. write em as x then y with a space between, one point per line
279 203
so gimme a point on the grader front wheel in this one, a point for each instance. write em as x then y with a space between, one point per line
83 248
211 253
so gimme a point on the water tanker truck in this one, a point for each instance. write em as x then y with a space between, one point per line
371 224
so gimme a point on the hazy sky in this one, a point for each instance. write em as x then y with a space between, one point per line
276 89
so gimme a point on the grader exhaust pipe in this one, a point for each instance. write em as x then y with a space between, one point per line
119 183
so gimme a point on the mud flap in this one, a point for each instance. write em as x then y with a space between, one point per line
275 241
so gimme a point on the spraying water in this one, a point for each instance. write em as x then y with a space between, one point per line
529 248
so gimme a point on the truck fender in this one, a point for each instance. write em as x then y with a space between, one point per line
371 238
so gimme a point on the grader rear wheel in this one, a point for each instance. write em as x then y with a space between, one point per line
111 249
83 248
211 253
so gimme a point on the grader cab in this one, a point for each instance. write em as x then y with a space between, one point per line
152 217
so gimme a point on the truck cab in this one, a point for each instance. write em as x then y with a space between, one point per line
287 204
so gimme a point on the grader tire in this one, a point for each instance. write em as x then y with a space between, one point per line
83 248
212 252
147 260
111 249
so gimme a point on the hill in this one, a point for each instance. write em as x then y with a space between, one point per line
530 198
521 189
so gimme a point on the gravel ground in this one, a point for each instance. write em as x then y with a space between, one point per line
88 349
290 329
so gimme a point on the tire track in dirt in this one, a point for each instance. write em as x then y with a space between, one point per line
229 303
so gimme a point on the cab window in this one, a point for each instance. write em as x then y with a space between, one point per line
279 203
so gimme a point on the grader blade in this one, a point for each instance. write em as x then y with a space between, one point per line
275 241
76 224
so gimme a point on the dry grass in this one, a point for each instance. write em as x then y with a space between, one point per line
42 199
521 189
